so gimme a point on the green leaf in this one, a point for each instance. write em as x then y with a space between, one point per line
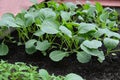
81 18
29 22
111 24
8 20
99 7
30 43
86 6
30 46
91 11
8 23
30 16
71 5
93 52
47 13
65 15
8 16
30 50
3 49
83 57
107 32
116 35
44 74
100 32
73 76
58 55
65 31
103 17
86 27
43 46
50 27
39 33
94 44
110 43
20 19
20 22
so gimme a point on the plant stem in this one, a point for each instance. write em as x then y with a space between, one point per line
118 50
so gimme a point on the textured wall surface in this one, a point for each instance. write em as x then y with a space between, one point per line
14 6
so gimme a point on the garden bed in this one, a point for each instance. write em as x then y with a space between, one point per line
109 69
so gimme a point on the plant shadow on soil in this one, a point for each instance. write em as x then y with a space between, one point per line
108 70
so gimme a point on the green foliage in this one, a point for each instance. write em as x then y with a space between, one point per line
65 15
64 29
43 46
3 49
93 52
86 27
110 43
72 76
17 71
8 20
33 45
30 46
58 55
50 27
21 71
94 44
83 57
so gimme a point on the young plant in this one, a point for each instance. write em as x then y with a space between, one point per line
65 29
20 71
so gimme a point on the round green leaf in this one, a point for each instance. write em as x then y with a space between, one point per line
3 49
86 27
42 46
94 44
47 13
57 55
83 57
30 43
110 43
50 27
73 76
93 52
30 50
44 74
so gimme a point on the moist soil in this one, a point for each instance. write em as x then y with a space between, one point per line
108 70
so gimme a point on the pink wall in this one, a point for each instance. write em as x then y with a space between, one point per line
14 6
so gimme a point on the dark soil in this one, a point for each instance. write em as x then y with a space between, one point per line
108 70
